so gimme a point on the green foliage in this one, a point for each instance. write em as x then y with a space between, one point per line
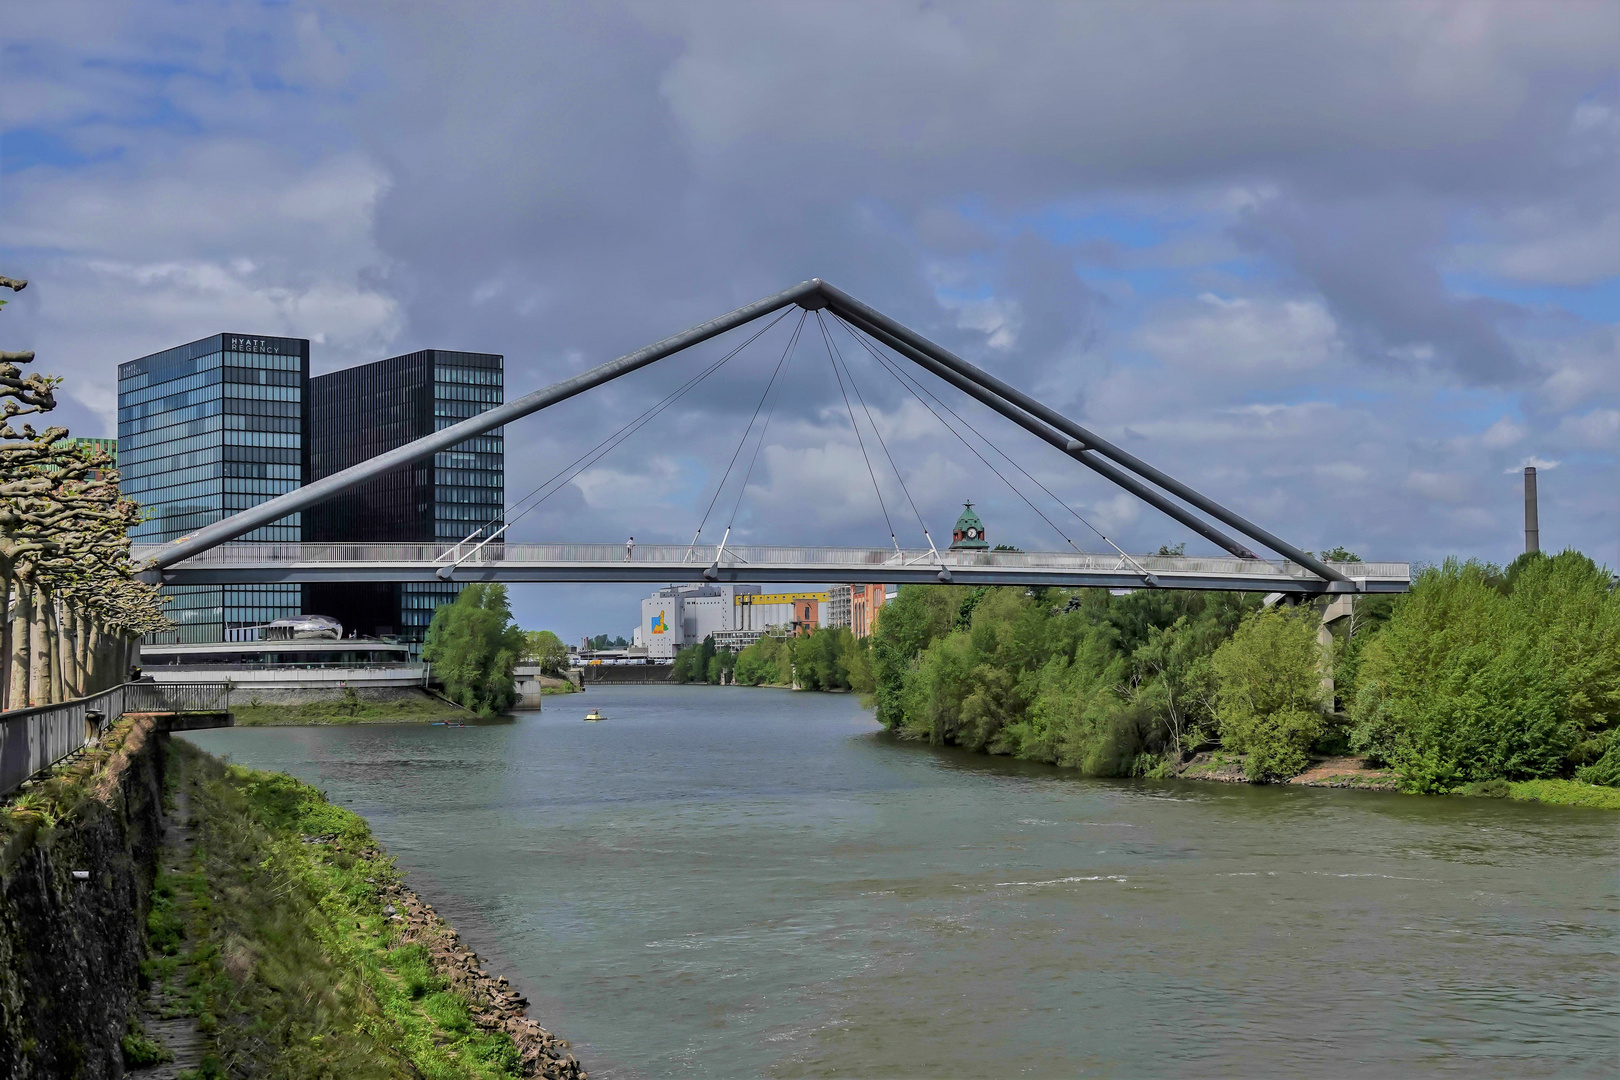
546 649
602 641
768 662
1480 675
1606 769
140 1051
1566 793
419 707
829 658
473 647
1109 685
294 967
1476 675
1269 696
692 662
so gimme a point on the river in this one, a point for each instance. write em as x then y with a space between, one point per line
738 882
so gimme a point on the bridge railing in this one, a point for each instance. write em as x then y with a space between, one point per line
32 740
307 554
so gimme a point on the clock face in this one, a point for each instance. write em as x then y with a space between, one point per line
973 534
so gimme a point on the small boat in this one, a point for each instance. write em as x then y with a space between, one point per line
593 716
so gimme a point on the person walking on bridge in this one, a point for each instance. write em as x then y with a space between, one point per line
629 548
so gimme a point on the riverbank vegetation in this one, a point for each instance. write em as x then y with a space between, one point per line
830 658
473 646
276 934
1477 676
411 707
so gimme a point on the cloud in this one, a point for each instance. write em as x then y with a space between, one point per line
1221 234
1445 487
1244 336
1502 434
1597 430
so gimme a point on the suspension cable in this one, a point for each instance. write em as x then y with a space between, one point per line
591 456
825 337
886 453
974 451
906 381
744 439
765 427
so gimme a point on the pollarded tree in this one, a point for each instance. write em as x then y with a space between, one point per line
74 610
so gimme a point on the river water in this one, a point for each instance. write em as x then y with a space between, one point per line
738 882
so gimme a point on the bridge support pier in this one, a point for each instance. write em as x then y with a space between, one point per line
1340 607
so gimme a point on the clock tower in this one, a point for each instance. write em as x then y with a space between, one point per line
969 531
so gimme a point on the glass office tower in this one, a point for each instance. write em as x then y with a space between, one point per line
205 430
360 412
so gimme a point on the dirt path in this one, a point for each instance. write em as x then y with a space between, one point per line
1345 772
1334 772
163 1015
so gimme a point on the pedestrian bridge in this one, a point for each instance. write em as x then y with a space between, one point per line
259 563
215 555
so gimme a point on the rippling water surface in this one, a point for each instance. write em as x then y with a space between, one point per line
734 882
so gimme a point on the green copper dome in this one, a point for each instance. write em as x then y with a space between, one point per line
969 531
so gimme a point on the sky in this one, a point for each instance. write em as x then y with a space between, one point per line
1346 268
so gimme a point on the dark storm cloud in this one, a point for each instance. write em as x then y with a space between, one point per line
565 183
1376 264
609 174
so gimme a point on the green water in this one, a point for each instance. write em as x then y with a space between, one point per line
736 882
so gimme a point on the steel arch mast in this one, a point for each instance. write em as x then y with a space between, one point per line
1079 443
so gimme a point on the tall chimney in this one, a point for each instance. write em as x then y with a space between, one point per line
1532 525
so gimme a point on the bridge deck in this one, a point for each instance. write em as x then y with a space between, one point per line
254 563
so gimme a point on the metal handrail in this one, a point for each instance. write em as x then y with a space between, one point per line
159 669
36 738
281 554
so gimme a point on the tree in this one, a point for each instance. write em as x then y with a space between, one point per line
1269 701
546 649
1484 676
473 647
73 609
1174 677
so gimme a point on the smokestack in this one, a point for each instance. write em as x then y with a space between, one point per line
1532 525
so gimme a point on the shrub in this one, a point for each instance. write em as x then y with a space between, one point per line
1269 700
473 647
1481 676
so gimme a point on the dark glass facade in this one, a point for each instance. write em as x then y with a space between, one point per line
360 412
204 430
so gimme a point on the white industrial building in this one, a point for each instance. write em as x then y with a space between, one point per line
682 615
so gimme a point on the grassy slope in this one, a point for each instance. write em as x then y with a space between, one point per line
421 709
296 971
1566 793
1227 766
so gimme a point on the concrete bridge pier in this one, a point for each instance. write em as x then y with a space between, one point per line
1340 607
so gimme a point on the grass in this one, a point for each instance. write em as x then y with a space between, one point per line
41 804
348 710
291 963
1565 793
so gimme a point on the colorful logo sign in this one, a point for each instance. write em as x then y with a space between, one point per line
658 624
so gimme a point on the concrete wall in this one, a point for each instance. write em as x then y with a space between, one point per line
531 685
290 678
71 949
623 674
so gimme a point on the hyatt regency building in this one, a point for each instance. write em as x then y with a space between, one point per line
204 430
222 424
